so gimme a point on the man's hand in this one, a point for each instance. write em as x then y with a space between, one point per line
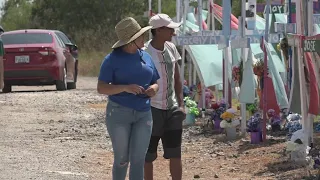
182 109
152 90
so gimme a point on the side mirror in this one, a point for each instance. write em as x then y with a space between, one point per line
72 47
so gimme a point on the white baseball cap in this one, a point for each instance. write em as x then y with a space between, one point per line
163 20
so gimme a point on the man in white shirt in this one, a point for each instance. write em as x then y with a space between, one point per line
167 105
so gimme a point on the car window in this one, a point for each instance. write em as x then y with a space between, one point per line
27 38
61 44
63 37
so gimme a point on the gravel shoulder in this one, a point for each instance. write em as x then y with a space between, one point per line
50 135
47 134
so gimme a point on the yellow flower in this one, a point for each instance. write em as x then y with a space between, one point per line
227 116
279 47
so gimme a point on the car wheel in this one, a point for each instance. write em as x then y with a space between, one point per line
76 71
61 85
7 89
73 85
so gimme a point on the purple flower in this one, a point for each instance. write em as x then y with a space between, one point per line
275 120
254 124
316 163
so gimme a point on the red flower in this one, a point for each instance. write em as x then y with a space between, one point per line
214 106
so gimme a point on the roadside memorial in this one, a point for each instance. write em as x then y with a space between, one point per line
303 45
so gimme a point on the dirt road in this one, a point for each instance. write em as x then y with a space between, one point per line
50 135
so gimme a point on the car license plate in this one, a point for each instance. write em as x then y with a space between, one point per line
22 59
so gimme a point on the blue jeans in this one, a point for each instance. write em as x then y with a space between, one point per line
130 133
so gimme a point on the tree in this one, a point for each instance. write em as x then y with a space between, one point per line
16 14
89 22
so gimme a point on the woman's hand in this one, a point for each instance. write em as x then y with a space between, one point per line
134 89
152 90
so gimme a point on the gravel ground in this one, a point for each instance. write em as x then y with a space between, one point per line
50 135
47 134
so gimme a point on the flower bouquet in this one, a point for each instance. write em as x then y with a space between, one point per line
316 163
254 127
254 123
222 103
191 110
216 116
258 68
317 128
237 73
218 109
194 111
215 106
229 124
294 124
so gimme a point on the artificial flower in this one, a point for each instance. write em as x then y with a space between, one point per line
258 68
227 116
271 113
194 110
226 124
293 125
254 123
279 47
215 106
191 106
317 128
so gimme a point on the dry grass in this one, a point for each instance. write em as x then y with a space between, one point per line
89 62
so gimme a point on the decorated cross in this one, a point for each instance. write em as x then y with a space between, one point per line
292 27
304 43
289 27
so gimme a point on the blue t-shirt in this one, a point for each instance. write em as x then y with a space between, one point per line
122 68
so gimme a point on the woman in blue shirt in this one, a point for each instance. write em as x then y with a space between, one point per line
129 77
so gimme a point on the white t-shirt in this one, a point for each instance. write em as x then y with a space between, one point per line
165 62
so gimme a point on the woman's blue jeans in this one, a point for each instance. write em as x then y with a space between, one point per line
130 133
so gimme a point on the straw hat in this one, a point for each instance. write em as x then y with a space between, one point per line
128 30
